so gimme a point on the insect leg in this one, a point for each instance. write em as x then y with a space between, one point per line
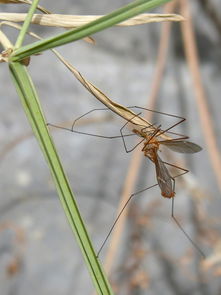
181 119
186 235
144 128
122 136
172 211
86 133
119 215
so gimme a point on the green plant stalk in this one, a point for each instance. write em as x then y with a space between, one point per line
32 108
26 24
119 15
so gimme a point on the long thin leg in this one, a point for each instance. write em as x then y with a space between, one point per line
122 136
158 112
96 135
90 134
89 112
172 211
186 235
166 130
178 167
182 119
166 114
119 215
127 202
86 133
173 177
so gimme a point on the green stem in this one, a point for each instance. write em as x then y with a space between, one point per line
26 24
31 105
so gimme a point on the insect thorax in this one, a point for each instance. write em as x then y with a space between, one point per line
150 148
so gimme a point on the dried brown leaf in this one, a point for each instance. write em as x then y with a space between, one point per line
120 110
72 21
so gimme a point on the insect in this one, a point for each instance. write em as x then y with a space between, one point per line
152 137
151 145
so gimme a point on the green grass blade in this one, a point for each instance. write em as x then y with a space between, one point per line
31 105
26 24
119 15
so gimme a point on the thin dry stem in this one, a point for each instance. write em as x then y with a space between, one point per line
72 21
201 99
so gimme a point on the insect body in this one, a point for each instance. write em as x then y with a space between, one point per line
150 149
151 145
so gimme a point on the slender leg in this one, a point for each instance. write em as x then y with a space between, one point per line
142 130
173 177
122 136
119 215
183 231
178 167
127 202
172 210
89 112
89 134
158 112
166 130
85 133
166 114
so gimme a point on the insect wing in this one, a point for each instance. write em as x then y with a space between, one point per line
181 146
165 181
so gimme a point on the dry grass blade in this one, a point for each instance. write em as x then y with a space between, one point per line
7 44
193 62
122 111
71 21
117 108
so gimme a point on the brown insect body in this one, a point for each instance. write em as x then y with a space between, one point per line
150 149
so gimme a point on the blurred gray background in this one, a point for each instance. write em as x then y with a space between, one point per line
38 253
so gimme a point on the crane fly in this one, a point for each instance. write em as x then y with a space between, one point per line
165 181
152 138
150 149
151 145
